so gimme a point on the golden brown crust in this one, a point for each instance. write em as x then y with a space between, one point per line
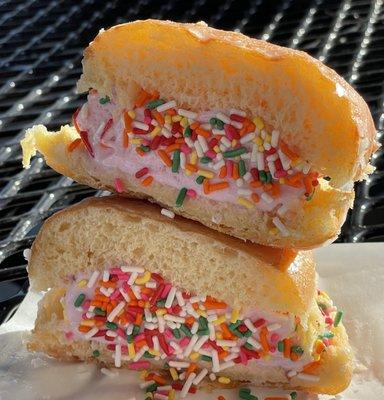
314 109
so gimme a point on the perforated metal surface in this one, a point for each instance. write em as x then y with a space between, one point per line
41 43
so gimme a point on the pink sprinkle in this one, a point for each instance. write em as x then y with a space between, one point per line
119 185
185 149
231 132
84 316
69 335
191 193
168 333
115 294
243 357
139 365
147 120
146 142
144 296
115 270
280 174
120 332
211 154
123 276
124 349
86 305
272 349
166 290
275 337
329 321
139 337
229 165
184 341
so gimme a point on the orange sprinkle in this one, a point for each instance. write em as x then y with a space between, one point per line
320 347
147 181
142 98
171 112
140 152
285 149
223 172
158 117
195 306
158 379
311 368
215 305
72 146
235 171
154 96
172 147
287 348
194 125
109 308
295 356
248 126
227 334
101 297
191 368
256 184
223 354
127 121
308 184
96 303
264 339
218 186
203 132
206 186
191 168
146 290
138 319
107 284
133 303
165 158
99 324
275 190
125 138
255 197
140 343
180 140
189 320
84 329
221 398
141 303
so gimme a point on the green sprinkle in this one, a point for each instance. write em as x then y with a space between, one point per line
176 161
176 333
322 306
245 393
146 149
96 353
200 179
136 330
187 131
263 176
148 398
111 325
206 358
338 318
294 396
148 355
269 177
280 346
80 299
234 153
151 388
297 350
247 333
242 169
154 104
327 335
205 160
203 332
234 325
245 390
130 338
104 100
309 198
217 123
248 346
161 303
99 311
186 330
203 323
180 197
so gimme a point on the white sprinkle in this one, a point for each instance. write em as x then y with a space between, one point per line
154 122
139 270
218 165
244 192
267 146
187 114
145 384
125 296
226 343
212 333
285 161
147 315
116 311
194 299
225 141
166 132
245 156
105 276
93 279
291 374
179 364
226 365
272 168
109 373
198 148
306 168
111 333
215 361
170 297
280 226
189 142
236 124
223 117
174 318
275 138
248 323
167 213
340 91
239 182
187 385
231 356
240 113
247 138
156 344
140 125
140 353
159 396
161 323
182 160
180 298
175 346
212 317
308 377
191 344
27 254
247 177
212 377
136 291
106 291
205 353
91 333
273 327
218 131
260 161
253 342
182 376
150 326
203 143
254 154
281 211
195 327
219 156
130 329
201 375
118 356
132 278
165 387
192 311
272 157
166 106
200 343
267 198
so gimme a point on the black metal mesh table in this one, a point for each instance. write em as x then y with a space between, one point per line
41 45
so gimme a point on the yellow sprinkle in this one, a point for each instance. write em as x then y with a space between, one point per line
235 315
234 143
187 172
161 311
193 158
258 122
142 280
219 320
132 114
224 380
88 322
201 312
274 231
82 283
268 138
143 374
261 149
316 357
216 149
205 173
258 140
154 352
172 394
177 118
219 335
295 162
131 350
136 141
174 374
184 122
282 181
156 131
194 356
245 202
147 304
168 119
